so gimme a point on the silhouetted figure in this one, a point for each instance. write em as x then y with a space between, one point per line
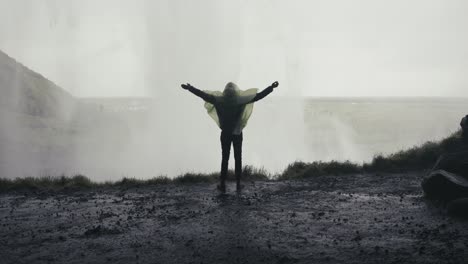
231 110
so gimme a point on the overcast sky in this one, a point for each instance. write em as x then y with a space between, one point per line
314 48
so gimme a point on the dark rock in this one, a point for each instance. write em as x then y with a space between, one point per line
444 185
458 207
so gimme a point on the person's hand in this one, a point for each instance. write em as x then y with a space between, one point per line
274 85
186 86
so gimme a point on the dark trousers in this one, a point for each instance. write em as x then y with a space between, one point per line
226 140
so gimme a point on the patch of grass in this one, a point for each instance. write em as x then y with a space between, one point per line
158 180
250 173
196 178
301 170
80 182
416 158
46 182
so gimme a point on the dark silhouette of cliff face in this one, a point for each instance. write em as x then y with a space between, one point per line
27 92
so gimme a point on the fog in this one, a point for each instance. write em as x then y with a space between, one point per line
148 48
342 48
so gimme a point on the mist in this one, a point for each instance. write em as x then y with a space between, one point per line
124 49
364 48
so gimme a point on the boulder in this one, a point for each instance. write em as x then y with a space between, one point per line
448 179
444 185
458 207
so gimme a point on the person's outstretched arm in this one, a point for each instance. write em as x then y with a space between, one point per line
207 97
265 92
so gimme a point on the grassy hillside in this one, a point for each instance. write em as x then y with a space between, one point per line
25 91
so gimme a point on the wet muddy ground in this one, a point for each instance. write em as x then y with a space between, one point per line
336 219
